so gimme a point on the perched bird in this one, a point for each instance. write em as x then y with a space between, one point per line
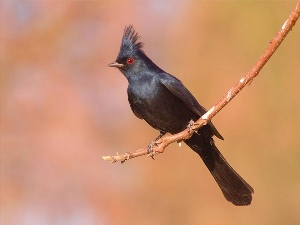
168 106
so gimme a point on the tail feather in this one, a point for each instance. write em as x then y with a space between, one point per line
234 187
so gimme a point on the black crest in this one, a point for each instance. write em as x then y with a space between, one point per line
129 41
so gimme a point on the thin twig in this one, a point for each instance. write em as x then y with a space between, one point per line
167 139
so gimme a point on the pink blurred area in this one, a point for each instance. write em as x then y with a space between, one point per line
62 109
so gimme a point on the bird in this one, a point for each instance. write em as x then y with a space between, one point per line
168 106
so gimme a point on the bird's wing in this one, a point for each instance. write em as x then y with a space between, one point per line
180 91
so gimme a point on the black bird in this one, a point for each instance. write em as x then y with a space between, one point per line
168 106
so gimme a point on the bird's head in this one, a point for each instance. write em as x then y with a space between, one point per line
130 53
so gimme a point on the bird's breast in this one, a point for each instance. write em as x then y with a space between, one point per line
159 107
143 95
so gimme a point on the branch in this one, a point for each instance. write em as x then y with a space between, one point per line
164 141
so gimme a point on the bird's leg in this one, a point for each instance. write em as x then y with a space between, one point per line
153 143
190 126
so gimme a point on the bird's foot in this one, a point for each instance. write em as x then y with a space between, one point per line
151 150
191 126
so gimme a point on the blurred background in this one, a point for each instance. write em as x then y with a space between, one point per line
62 109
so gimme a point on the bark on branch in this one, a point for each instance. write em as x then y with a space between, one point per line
167 139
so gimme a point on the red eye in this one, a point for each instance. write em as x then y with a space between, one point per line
130 60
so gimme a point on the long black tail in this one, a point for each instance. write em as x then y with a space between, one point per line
233 186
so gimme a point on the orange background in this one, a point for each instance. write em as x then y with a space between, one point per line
62 109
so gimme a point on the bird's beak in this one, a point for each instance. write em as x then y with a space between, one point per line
115 64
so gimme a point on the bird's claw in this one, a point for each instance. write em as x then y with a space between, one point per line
151 150
191 126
